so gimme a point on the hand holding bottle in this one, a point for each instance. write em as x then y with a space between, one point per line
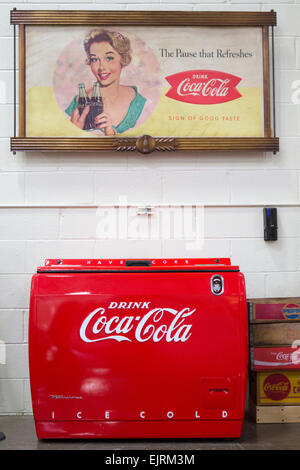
79 119
104 122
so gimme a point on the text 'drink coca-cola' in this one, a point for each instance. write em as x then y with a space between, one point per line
156 325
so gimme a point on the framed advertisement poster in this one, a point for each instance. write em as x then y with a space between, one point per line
145 81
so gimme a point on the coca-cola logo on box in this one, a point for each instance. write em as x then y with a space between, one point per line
203 87
157 324
277 387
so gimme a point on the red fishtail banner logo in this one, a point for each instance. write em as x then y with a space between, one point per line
203 87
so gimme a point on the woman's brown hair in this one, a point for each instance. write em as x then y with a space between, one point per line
120 43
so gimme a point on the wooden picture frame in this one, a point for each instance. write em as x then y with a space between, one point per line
260 22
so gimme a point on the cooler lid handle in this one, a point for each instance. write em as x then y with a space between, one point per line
138 262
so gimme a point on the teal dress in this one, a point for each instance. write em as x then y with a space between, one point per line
134 111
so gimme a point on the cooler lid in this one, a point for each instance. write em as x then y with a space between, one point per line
138 265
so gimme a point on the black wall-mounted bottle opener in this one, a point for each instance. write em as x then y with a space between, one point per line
270 224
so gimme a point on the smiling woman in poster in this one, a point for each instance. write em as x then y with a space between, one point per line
108 52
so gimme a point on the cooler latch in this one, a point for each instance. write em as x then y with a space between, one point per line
217 284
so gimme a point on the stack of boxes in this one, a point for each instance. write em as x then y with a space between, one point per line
275 359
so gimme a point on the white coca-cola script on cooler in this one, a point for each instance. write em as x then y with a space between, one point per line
156 325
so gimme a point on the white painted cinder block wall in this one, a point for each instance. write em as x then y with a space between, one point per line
30 234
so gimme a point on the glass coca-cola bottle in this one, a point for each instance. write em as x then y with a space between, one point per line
83 99
96 104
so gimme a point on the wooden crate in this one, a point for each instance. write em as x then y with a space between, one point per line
275 309
276 388
264 358
279 333
275 414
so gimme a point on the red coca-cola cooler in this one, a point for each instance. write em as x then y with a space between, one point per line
138 348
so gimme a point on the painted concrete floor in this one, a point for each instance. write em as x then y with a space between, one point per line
20 434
